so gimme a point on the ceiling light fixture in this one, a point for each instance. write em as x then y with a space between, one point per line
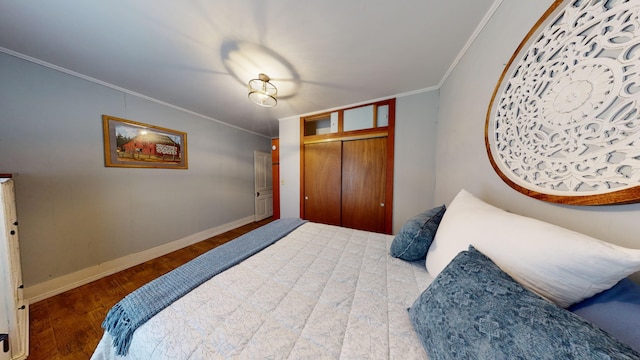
262 92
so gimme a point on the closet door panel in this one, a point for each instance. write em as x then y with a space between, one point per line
322 180
364 164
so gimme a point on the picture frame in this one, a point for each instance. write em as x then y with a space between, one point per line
134 144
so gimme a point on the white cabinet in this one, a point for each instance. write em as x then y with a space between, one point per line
13 309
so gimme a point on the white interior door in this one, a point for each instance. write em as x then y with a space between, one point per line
263 185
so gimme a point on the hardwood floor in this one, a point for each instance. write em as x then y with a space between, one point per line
67 326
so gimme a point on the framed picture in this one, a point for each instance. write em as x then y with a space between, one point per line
133 144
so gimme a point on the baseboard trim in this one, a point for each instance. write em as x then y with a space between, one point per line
56 286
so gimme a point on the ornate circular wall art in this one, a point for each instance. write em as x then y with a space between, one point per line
564 120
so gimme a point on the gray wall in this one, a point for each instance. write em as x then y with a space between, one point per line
462 160
74 212
414 157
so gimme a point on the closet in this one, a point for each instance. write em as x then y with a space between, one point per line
13 309
347 167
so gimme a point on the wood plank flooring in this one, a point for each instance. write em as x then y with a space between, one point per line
67 326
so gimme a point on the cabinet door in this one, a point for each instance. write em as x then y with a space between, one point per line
322 180
364 164
14 322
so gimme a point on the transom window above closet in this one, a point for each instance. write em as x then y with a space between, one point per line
365 120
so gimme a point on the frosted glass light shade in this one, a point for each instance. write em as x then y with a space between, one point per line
262 92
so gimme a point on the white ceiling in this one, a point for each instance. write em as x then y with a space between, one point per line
199 54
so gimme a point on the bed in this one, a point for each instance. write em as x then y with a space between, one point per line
319 292
468 281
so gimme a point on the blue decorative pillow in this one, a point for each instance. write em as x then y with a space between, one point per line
617 311
416 235
474 310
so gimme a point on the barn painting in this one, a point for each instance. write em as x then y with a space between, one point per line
150 146
134 144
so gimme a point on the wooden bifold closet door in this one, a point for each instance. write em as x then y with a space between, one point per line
322 179
344 183
363 184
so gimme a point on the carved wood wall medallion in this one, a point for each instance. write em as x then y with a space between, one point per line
563 124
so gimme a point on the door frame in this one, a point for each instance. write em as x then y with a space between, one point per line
383 131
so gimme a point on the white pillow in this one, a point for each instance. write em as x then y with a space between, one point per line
558 264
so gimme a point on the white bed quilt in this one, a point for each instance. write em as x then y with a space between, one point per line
322 292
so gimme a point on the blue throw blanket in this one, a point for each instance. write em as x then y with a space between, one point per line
142 304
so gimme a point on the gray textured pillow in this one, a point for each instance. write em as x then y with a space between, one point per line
416 235
474 310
